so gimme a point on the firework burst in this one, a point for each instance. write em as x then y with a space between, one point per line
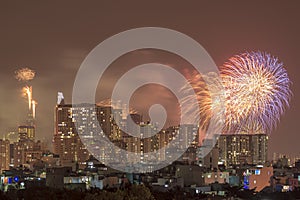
24 74
257 91
210 99
254 89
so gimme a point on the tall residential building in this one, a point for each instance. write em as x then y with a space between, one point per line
208 154
78 134
164 137
159 142
133 122
27 151
236 149
4 154
12 136
142 145
188 134
69 141
188 139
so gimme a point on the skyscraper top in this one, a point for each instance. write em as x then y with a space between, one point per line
60 98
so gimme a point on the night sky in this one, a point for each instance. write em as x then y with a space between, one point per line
54 38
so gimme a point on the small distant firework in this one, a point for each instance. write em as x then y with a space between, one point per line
257 91
27 93
24 74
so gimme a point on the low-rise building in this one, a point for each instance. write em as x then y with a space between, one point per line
216 176
257 178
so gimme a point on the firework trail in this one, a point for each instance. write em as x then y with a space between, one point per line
257 91
27 92
24 74
34 103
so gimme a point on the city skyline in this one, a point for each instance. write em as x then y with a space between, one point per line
149 100
56 59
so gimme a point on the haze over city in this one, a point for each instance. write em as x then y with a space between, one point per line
53 39
225 72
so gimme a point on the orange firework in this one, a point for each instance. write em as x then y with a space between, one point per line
27 93
34 103
208 89
24 74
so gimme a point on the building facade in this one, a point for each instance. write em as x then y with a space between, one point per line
4 154
66 141
26 131
103 131
27 151
257 178
236 149
83 129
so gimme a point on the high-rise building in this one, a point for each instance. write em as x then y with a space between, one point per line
78 134
67 143
26 132
140 146
26 151
69 140
12 136
164 137
4 154
236 149
187 135
208 154
133 122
